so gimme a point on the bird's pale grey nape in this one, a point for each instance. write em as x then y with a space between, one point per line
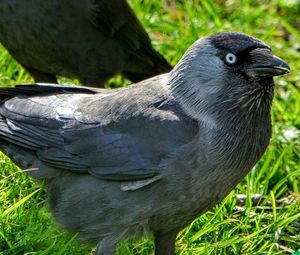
191 135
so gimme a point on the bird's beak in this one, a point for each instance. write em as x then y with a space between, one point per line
266 64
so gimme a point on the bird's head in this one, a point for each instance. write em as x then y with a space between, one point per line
226 70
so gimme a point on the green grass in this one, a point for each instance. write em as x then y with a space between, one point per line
26 226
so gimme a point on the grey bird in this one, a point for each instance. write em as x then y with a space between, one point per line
118 168
91 40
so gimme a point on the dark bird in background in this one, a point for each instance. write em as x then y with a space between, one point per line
91 40
191 135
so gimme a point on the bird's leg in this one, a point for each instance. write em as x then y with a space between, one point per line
99 83
165 242
106 246
40 76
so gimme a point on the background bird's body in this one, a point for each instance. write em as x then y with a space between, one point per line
88 40
119 168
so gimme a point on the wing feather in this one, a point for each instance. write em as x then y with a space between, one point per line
121 145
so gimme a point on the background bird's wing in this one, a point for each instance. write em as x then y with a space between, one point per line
117 20
84 133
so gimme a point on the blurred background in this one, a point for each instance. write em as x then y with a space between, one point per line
267 224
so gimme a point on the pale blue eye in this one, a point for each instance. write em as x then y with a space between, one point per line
230 58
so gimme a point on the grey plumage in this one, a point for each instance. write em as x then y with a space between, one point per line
191 135
91 40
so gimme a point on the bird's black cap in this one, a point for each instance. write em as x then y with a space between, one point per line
236 42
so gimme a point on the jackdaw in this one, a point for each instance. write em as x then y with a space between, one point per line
117 168
91 40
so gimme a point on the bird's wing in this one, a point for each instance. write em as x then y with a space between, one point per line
97 134
117 20
33 89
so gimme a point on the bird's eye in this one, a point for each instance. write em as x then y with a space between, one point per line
230 58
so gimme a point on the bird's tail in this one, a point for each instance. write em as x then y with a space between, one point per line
151 64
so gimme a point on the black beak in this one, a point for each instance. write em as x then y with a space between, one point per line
266 64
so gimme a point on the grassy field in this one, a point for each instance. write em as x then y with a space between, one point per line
232 227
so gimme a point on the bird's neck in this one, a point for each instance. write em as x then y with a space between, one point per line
237 121
241 127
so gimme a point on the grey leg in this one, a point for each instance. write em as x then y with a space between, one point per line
165 242
106 246
40 76
99 83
